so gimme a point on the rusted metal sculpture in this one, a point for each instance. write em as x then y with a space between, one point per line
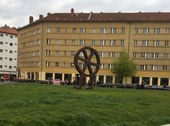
87 63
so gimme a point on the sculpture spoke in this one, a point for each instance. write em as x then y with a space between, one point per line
82 59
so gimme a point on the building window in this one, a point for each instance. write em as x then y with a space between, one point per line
74 30
102 30
73 42
10 59
1 58
47 64
11 44
1 35
93 42
72 65
1 43
94 30
113 30
166 43
48 41
156 43
135 30
145 30
10 51
101 54
48 30
155 55
154 67
102 66
1 50
122 42
144 43
10 67
167 30
57 64
165 55
111 54
47 53
134 54
122 30
165 68
156 30
102 42
135 42
1 66
57 53
58 42
11 36
82 42
58 30
112 42
82 30
143 55
73 53
110 66
143 67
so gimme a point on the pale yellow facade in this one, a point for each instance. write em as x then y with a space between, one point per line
49 47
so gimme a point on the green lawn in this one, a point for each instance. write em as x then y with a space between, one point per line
46 105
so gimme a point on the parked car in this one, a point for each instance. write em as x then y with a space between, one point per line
56 82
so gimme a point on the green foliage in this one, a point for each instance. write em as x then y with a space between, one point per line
124 67
47 105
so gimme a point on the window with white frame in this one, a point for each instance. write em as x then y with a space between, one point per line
102 30
167 30
165 55
58 42
135 42
73 42
134 54
156 43
82 30
101 54
48 52
143 67
122 42
111 54
144 42
166 43
122 31
73 53
82 42
102 66
102 42
156 30
143 55
110 66
47 63
58 30
48 41
164 67
112 42
145 30
57 53
155 55
154 67
135 30
113 30
57 64
48 30
93 42
94 30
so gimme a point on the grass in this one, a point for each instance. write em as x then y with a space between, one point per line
46 105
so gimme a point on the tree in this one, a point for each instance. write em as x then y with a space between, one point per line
124 67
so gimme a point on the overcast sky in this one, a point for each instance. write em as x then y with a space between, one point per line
16 13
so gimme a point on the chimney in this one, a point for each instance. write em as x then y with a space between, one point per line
48 14
40 16
72 10
31 19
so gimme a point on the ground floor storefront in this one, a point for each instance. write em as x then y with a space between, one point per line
146 80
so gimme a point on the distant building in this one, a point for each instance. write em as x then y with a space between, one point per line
8 52
47 46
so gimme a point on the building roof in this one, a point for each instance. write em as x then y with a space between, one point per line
8 30
103 17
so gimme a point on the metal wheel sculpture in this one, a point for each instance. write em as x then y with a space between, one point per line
87 63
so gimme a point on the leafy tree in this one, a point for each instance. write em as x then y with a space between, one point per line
124 67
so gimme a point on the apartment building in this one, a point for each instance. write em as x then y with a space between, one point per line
47 46
8 52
